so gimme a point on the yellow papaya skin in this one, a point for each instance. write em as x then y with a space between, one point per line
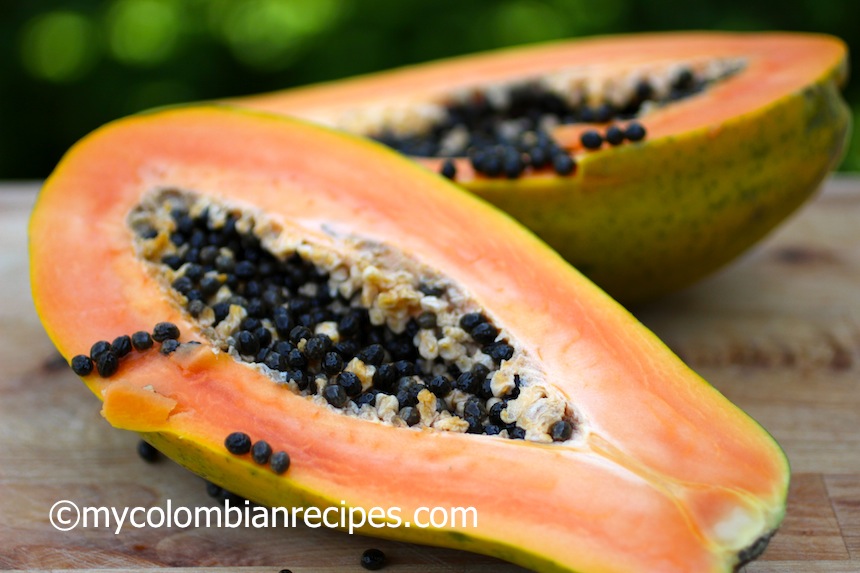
663 474
715 174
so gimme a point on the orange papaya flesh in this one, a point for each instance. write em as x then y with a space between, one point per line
717 170
661 473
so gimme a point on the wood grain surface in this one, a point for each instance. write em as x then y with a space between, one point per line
778 332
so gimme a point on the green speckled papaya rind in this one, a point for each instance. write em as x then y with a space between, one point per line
701 198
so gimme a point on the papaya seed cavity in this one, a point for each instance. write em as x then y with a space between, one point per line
506 129
351 324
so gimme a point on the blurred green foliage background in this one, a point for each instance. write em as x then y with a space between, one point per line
68 66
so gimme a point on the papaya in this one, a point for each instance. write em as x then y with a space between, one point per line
647 161
311 320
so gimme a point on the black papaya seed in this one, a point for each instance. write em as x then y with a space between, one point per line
373 559
238 443
261 451
147 452
165 331
82 365
107 364
280 462
141 340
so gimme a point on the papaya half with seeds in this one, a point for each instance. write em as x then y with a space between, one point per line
404 343
739 129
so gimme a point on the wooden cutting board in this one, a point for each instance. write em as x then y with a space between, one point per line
778 332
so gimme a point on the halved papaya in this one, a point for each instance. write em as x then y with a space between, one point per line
339 328
739 129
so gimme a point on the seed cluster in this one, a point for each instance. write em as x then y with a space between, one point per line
105 356
506 130
614 135
313 330
239 444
